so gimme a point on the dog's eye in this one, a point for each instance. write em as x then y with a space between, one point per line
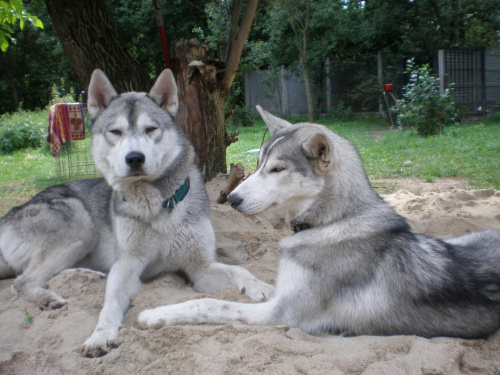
277 169
116 132
150 129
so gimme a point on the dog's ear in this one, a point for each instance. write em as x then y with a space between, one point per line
273 123
164 92
101 92
319 147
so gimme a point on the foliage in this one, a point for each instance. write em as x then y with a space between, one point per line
59 94
494 116
242 117
423 106
341 112
12 11
21 130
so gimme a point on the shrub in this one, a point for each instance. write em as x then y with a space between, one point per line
242 116
341 112
21 130
423 106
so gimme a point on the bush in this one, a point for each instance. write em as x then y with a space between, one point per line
341 112
423 106
242 116
22 130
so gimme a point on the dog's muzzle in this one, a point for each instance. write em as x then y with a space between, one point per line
135 160
234 200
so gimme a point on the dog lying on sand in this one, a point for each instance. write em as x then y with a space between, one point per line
353 266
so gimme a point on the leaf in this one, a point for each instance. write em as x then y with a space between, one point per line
17 5
4 44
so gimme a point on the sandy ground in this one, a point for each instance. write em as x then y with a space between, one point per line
48 342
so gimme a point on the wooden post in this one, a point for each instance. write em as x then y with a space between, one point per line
380 82
442 70
284 91
328 86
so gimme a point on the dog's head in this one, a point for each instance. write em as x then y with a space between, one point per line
292 169
134 134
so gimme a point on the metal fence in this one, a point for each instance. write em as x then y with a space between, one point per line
357 82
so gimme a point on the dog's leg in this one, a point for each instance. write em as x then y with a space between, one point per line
209 311
45 264
123 281
217 276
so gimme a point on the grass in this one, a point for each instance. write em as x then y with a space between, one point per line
470 151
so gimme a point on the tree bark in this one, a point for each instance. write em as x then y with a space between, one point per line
91 40
201 107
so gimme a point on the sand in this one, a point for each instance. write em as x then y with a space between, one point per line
48 342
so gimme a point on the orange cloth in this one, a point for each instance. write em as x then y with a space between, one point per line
66 123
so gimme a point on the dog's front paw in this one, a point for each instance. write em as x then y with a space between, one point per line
99 344
260 291
50 301
153 318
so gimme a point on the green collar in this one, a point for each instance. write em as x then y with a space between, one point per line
178 196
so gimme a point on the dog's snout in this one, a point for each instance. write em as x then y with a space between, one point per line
234 200
135 159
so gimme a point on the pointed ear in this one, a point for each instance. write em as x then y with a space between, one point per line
319 147
101 92
273 123
164 92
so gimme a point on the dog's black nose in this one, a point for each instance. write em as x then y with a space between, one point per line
234 200
135 159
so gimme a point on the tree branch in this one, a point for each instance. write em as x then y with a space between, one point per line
235 49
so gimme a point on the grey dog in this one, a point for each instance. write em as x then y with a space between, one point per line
149 214
353 266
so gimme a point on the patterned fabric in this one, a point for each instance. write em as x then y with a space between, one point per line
66 123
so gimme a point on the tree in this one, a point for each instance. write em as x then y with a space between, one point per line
12 11
91 40
204 82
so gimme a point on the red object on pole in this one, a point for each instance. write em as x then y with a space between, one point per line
161 31
388 87
164 47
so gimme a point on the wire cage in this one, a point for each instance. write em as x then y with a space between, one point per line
74 160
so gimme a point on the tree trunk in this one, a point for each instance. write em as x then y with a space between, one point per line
91 40
203 91
201 107
307 84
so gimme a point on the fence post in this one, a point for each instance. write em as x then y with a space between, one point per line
483 80
284 91
380 82
442 70
328 84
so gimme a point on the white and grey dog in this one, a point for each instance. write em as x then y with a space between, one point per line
353 266
149 214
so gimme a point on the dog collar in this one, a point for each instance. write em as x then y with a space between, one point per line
178 196
300 227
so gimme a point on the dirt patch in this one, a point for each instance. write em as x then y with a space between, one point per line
418 186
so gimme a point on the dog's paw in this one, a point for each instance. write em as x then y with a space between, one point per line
260 292
153 318
99 344
50 301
